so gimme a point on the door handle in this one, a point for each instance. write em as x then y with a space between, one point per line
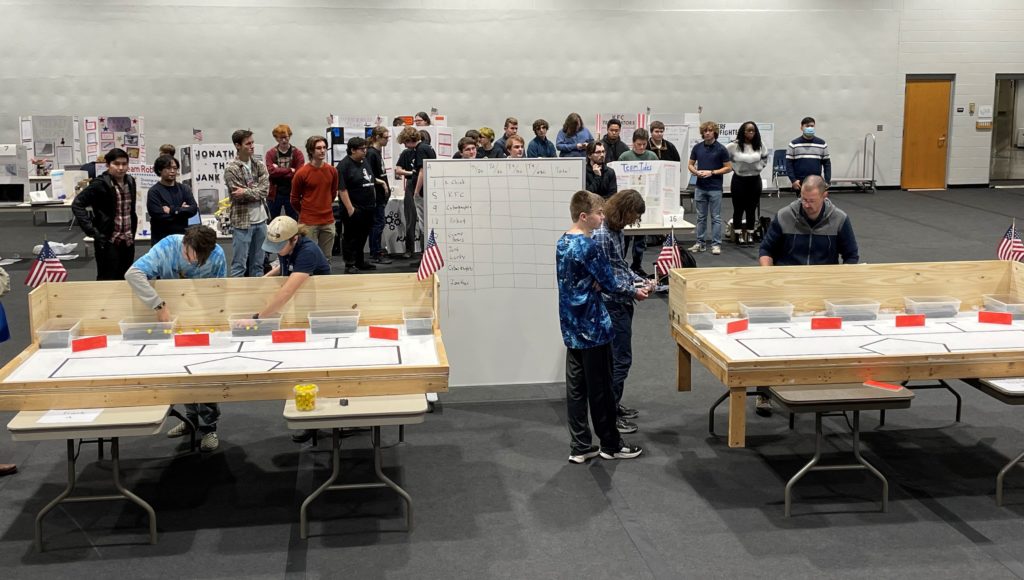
942 141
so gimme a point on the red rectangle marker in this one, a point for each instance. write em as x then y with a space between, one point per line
826 323
89 343
384 332
192 339
910 320
995 317
737 326
288 336
881 385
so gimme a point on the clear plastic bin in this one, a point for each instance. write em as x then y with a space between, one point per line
852 308
58 332
933 306
1011 303
244 326
418 320
700 315
333 321
146 329
761 311
305 397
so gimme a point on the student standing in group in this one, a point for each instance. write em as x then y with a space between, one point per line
623 209
511 128
421 119
540 145
247 183
587 333
661 147
515 147
612 140
168 149
170 204
358 199
639 150
467 148
112 223
600 178
379 137
405 169
749 156
485 148
192 255
283 162
709 161
807 155
470 134
314 189
572 140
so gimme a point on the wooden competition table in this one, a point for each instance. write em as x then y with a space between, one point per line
988 353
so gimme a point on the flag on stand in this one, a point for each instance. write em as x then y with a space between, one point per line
46 268
668 258
432 260
197 135
1011 247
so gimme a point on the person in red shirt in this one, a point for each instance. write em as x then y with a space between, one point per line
314 189
283 162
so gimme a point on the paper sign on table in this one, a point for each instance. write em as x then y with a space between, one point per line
737 326
881 385
70 416
89 343
909 320
192 339
826 323
995 317
288 336
384 332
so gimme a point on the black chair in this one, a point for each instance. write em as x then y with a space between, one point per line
778 169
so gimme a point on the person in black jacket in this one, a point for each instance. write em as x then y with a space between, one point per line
170 204
662 147
600 178
113 222
613 145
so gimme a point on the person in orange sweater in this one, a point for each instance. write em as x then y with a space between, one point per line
314 189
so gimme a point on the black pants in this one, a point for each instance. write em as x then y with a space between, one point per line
409 205
746 194
357 231
588 380
340 216
113 260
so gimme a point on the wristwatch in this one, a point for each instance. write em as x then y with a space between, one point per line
160 306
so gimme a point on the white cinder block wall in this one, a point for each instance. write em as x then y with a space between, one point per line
223 64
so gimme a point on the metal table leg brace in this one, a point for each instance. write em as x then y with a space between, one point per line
329 485
123 493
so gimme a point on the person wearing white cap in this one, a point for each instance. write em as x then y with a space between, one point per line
298 258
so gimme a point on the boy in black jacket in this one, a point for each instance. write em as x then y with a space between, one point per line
113 222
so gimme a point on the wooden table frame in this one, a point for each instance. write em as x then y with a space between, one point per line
207 304
806 287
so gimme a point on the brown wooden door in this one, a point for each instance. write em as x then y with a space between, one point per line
925 134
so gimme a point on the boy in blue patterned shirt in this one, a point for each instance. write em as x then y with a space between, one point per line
583 272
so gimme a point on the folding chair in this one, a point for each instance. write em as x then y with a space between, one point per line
778 170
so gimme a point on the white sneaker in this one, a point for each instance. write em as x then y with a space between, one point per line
209 442
179 430
698 247
716 250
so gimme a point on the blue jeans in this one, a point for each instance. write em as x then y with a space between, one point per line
247 250
377 230
622 345
709 202
282 202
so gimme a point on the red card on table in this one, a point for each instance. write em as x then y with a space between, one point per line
881 385
737 326
995 317
192 339
288 336
384 332
826 323
89 343
910 320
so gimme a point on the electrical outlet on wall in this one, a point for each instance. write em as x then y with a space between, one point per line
880 127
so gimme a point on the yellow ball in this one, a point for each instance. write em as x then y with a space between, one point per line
149 331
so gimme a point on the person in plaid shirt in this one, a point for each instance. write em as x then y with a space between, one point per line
247 182
113 221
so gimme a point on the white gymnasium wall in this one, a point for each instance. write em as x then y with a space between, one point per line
223 64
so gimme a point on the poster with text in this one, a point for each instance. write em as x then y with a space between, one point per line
125 132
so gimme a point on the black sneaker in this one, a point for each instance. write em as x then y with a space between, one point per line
366 267
625 426
627 451
582 456
382 259
303 436
351 270
627 413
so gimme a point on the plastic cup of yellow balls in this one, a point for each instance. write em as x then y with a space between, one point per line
305 397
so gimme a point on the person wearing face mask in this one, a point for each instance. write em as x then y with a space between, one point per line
807 155
170 204
194 254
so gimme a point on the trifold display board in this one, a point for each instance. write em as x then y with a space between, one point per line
54 139
104 132
496 222
657 182
202 169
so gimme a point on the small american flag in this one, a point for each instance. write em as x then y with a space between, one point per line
46 268
668 258
1011 247
432 260
197 135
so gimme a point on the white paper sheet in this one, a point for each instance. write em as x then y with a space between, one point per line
70 416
